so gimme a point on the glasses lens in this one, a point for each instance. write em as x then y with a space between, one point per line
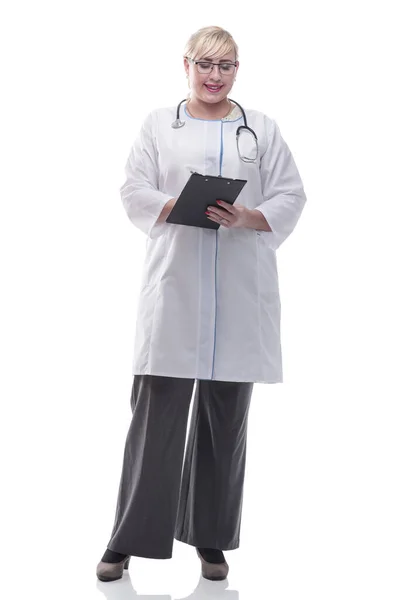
204 67
227 69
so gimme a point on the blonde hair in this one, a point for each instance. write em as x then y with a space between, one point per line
209 42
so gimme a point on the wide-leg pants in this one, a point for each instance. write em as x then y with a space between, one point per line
166 493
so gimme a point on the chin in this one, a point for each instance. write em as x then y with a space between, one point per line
214 98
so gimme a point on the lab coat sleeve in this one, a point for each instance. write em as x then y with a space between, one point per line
282 188
142 199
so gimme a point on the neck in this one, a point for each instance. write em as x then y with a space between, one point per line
206 110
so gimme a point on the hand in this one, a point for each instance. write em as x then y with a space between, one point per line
234 215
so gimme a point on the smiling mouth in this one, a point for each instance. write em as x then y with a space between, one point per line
213 88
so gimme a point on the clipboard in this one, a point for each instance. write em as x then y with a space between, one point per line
200 192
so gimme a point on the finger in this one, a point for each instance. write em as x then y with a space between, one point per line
223 214
218 212
226 206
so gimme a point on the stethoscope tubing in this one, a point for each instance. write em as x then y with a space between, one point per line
178 123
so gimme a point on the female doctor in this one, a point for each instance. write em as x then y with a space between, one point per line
208 317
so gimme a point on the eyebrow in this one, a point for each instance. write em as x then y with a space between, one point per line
228 60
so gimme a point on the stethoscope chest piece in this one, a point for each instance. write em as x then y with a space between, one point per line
178 124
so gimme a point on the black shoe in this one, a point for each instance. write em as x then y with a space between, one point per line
213 571
110 571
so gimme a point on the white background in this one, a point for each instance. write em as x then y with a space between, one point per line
325 495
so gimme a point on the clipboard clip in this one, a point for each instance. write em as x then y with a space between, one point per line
219 176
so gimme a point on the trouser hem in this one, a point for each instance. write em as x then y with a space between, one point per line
140 553
206 544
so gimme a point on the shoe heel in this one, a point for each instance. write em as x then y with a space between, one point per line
127 562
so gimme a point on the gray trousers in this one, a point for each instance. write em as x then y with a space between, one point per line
158 501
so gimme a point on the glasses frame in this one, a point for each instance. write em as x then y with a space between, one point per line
197 62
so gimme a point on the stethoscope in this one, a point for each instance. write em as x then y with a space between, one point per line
177 124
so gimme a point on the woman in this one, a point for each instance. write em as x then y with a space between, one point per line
208 316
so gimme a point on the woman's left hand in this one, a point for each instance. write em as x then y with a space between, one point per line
229 215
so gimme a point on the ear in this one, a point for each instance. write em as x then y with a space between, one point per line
186 65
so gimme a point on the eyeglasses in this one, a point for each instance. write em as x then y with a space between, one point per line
207 67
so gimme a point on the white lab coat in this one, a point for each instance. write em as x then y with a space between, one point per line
209 305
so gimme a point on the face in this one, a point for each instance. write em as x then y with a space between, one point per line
199 82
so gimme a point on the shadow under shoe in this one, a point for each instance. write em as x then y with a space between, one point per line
112 571
213 571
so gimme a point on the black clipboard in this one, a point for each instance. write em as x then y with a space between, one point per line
200 192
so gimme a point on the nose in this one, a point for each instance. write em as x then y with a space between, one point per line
215 73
